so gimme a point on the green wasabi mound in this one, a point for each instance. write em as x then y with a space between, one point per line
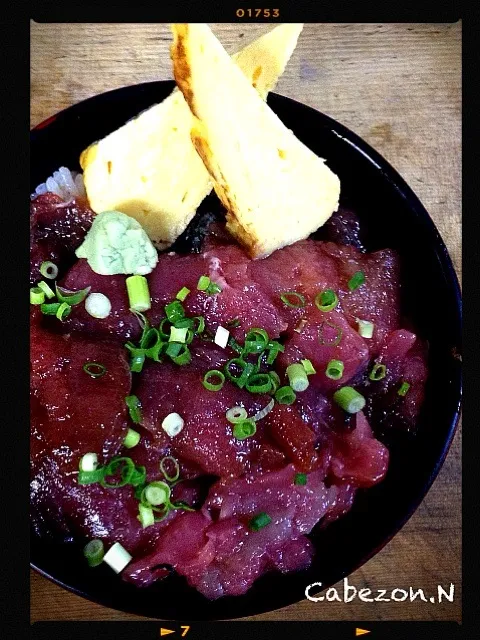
116 244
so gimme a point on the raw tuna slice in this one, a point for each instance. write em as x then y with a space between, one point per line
358 457
56 230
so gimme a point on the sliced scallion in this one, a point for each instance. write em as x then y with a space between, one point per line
265 411
120 468
49 293
326 300
131 439
71 297
49 270
293 299
98 306
334 369
285 395
174 311
145 516
184 356
133 404
210 377
308 366
356 280
90 477
88 462
95 369
178 335
164 470
63 311
365 328
117 557
94 552
203 282
297 377
182 294
245 370
213 288
349 399
243 430
403 390
326 337
173 424
275 381
236 414
300 479
157 493
259 383
378 372
138 293
259 521
37 296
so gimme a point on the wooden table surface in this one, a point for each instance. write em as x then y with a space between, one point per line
399 87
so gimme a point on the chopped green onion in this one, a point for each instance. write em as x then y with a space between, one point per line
163 469
256 341
131 439
138 477
233 344
178 335
212 374
50 308
203 283
145 515
71 297
285 395
322 337
173 349
334 369
349 399
297 377
245 429
138 293
308 366
185 323
221 336
63 311
182 294
274 348
259 383
88 462
125 465
201 324
133 404
326 300
404 387
356 280
151 344
213 288
117 557
378 372
90 477
265 411
173 424
37 296
164 333
259 521
49 270
142 320
246 370
365 328
275 381
137 360
293 299
236 414
95 369
49 293
98 306
157 493
184 356
181 505
300 479
94 552
174 311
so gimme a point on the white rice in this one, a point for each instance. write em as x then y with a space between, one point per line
64 183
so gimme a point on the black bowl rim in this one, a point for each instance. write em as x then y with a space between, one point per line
406 192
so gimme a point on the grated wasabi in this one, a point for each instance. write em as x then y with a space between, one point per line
117 243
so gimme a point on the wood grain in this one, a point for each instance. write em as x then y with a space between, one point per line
398 86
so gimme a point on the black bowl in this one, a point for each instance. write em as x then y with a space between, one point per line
393 217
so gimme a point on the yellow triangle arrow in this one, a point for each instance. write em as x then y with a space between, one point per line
361 632
165 632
